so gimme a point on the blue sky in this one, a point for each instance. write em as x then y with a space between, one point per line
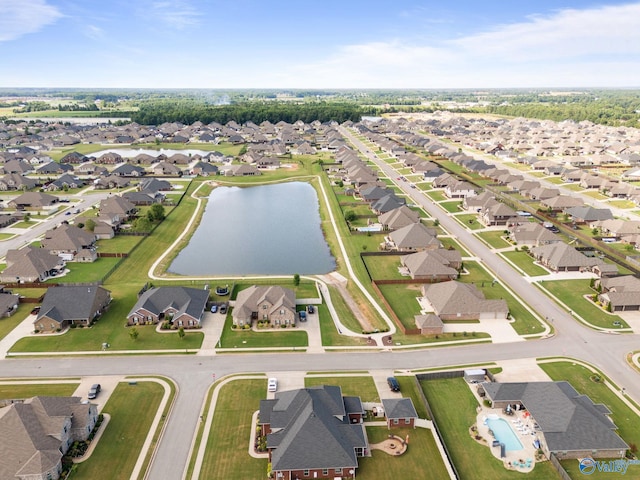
319 44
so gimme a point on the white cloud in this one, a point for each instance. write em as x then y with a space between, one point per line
177 14
18 18
592 47
94 32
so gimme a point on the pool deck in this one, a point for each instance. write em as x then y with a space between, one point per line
522 427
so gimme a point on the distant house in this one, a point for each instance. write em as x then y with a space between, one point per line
63 182
181 306
570 425
314 432
561 257
128 170
587 214
460 189
398 218
532 234
39 431
400 412
433 265
70 243
274 304
118 206
165 168
620 294
54 168
70 305
462 301
33 201
8 304
30 265
561 202
412 238
387 203
16 181
153 185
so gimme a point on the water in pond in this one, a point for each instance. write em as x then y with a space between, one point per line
266 230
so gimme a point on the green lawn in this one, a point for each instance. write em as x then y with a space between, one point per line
454 408
494 238
384 267
6 236
330 336
422 456
411 388
448 242
402 298
119 244
621 203
285 337
525 262
595 194
132 409
626 420
81 272
20 391
451 207
226 453
436 195
362 387
571 292
469 220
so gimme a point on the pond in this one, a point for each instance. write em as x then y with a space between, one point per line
262 230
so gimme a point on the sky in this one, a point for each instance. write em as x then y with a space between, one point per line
319 44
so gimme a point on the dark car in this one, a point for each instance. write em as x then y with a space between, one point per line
94 391
303 316
223 308
310 309
393 384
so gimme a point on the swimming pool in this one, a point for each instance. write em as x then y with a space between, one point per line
371 228
504 434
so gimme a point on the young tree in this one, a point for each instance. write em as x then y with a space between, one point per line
133 333
157 212
142 224
296 279
181 333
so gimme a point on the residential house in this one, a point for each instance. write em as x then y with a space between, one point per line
314 432
398 218
64 182
128 170
29 265
111 182
460 189
532 234
16 181
71 243
412 238
181 306
274 304
167 169
153 185
204 169
561 257
116 205
387 203
560 203
617 228
429 324
588 214
400 412
619 294
50 168
462 301
8 303
497 213
433 265
35 434
71 305
570 425
33 201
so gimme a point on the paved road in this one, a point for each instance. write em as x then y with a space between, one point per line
194 374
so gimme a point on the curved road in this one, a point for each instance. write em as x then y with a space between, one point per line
194 374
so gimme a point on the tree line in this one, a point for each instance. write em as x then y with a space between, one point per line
187 112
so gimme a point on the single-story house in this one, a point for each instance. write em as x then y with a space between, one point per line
30 265
620 293
561 257
314 432
462 301
33 200
398 218
433 265
570 424
412 238
71 305
429 324
181 306
8 304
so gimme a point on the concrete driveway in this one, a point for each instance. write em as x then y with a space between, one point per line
108 384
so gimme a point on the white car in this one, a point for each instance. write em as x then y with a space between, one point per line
272 384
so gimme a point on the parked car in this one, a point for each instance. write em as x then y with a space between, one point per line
310 309
272 384
223 308
214 308
302 315
35 310
393 384
94 391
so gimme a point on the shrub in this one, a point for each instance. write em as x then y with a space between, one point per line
246 326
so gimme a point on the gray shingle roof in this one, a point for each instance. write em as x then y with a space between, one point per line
568 420
185 300
399 408
310 430
68 303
